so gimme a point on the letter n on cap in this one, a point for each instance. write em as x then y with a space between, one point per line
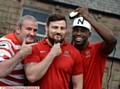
80 21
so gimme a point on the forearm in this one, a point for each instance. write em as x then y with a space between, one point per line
37 71
8 65
109 41
78 82
102 30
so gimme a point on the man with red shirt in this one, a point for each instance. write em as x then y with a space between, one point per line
54 61
13 48
94 55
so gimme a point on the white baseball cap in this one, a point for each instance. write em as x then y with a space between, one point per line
81 22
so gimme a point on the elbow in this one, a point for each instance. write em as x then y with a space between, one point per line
31 78
114 41
2 76
3 73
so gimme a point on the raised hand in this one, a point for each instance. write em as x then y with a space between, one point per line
26 49
56 50
83 11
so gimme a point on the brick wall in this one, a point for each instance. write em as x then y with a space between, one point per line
10 11
111 76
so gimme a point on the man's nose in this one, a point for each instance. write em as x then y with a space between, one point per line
59 30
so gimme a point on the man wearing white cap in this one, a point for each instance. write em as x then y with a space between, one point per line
94 55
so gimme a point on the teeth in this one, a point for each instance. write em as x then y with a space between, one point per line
57 37
79 39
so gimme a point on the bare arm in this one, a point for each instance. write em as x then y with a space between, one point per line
35 71
77 81
106 34
7 66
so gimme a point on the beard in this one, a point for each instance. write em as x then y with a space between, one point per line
78 46
54 41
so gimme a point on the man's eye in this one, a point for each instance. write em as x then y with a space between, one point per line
55 27
35 30
29 28
63 28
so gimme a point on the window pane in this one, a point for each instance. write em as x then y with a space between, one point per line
41 29
39 15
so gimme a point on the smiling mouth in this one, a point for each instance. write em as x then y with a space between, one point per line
78 39
58 37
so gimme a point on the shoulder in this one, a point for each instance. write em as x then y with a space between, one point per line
95 45
72 49
5 43
38 46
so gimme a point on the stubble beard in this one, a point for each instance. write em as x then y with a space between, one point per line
53 41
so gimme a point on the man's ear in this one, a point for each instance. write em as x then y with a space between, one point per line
46 29
17 29
90 34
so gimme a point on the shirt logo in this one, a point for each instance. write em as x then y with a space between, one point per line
87 53
66 52
43 51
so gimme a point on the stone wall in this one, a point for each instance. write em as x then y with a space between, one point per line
9 13
111 78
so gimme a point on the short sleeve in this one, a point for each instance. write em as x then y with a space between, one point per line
6 50
77 68
100 58
98 45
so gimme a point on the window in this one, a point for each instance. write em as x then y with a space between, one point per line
41 16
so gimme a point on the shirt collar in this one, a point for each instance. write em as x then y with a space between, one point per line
17 40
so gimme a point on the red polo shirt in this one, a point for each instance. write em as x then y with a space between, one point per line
93 66
62 68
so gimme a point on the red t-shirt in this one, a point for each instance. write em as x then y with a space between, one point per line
63 67
93 66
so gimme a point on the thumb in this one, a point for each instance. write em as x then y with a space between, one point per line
24 41
32 44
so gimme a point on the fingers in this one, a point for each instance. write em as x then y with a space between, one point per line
32 44
81 8
56 46
25 42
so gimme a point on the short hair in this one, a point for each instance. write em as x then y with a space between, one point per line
26 17
55 17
